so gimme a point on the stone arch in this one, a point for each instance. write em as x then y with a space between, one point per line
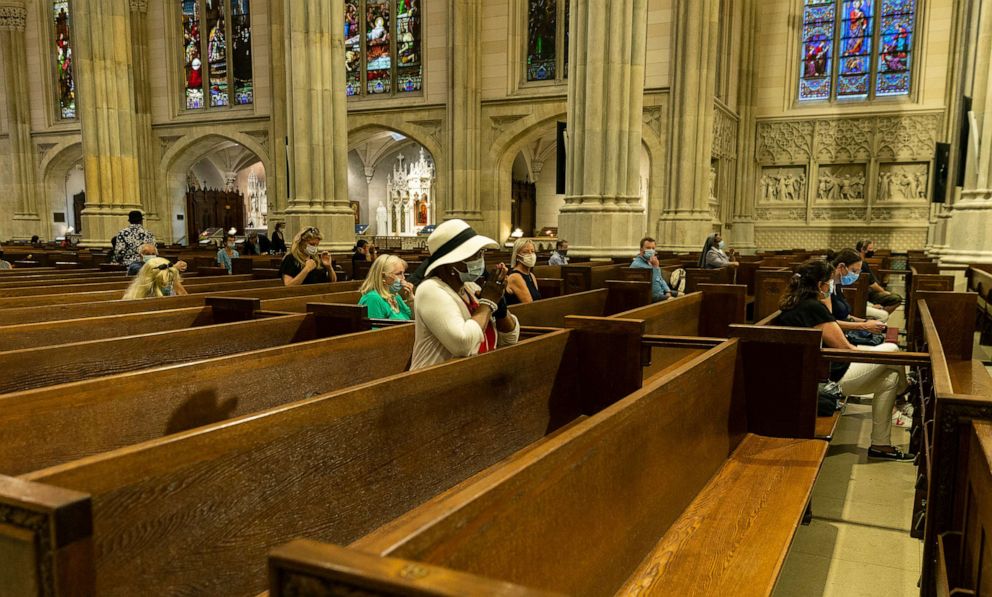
182 155
55 167
503 152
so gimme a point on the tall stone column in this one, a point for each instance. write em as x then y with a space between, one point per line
107 118
464 111
317 122
742 234
968 239
147 187
686 220
602 215
24 183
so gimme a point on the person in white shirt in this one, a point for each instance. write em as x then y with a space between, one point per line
454 316
560 255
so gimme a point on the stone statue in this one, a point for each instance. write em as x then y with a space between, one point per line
381 220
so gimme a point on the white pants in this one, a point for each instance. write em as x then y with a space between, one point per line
875 313
884 382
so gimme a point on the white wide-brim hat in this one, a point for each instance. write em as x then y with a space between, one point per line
455 241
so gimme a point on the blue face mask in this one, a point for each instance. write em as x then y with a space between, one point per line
723 245
850 278
396 286
648 254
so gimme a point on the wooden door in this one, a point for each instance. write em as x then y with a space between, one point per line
78 203
523 211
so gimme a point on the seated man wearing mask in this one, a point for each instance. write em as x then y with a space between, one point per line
646 259
881 302
455 317
147 252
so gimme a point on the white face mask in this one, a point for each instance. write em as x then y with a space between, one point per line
529 260
230 245
312 250
475 270
147 258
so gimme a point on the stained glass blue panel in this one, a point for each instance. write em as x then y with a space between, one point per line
379 61
818 37
191 54
857 31
352 48
409 58
895 47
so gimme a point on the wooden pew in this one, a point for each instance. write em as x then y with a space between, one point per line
47 365
37 314
919 282
770 286
119 285
333 467
979 279
584 277
964 559
217 310
616 297
696 276
197 287
857 296
955 389
637 499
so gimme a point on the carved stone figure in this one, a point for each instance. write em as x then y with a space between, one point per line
381 220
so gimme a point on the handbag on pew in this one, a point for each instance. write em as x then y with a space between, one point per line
864 338
677 281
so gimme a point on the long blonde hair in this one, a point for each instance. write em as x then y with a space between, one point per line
302 238
520 244
376 278
154 276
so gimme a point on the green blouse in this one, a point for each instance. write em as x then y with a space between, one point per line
379 308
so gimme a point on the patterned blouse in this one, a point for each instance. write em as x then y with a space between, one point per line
129 241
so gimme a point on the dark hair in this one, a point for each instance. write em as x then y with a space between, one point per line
805 283
562 241
646 239
361 243
846 256
35 239
862 244
230 235
135 217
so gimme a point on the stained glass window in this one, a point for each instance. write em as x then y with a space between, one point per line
217 53
383 47
895 47
818 42
65 89
872 41
547 40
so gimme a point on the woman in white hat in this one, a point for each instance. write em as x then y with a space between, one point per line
454 316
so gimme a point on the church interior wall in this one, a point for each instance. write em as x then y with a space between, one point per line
815 145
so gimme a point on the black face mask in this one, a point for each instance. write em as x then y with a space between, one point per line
563 252
869 254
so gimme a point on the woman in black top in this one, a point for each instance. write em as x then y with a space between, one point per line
847 269
306 263
521 284
806 305
278 239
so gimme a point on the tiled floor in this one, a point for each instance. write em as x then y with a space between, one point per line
858 542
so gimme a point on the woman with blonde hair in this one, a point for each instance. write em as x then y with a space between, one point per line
306 263
156 278
385 292
521 284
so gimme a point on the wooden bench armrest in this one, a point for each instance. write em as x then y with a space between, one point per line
838 355
893 272
739 527
658 341
308 567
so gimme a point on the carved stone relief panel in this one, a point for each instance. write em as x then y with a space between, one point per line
916 215
903 182
724 134
907 137
841 183
784 142
770 214
844 140
782 185
781 236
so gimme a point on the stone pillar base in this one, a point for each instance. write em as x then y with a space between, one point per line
102 223
601 233
684 232
741 235
337 225
968 239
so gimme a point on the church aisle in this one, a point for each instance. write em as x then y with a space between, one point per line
858 542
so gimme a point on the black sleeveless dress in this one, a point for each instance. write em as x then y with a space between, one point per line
511 299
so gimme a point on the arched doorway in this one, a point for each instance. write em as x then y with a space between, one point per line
64 192
392 185
216 183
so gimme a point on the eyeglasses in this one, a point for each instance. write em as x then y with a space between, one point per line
311 230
